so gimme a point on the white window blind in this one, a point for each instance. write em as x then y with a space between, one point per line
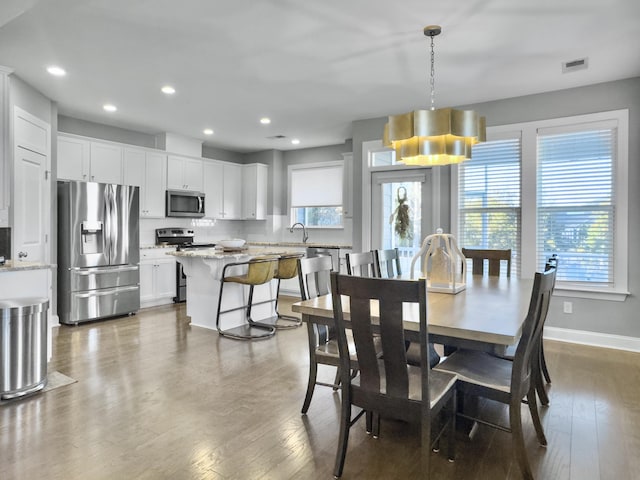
489 198
317 186
576 201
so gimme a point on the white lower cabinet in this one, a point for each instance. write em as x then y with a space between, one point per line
157 277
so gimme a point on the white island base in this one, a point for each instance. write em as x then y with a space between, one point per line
203 269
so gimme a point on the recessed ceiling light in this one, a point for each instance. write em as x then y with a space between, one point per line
208 131
295 141
109 107
56 71
265 120
168 89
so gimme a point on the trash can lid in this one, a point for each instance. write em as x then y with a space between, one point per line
19 307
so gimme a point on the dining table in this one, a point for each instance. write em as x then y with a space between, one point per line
488 315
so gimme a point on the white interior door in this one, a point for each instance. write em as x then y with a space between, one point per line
401 213
29 206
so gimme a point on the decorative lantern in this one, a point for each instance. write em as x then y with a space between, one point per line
443 264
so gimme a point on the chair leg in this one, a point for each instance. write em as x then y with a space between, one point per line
369 419
343 437
311 384
451 447
535 416
336 382
291 321
517 436
376 425
543 364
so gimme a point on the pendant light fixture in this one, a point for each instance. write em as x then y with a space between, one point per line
436 136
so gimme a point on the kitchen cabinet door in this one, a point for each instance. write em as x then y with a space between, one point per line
213 189
155 185
106 163
157 277
134 168
232 191
254 191
73 158
165 278
147 268
184 173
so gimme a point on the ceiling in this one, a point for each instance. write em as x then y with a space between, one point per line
313 67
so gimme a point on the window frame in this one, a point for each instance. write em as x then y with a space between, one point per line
528 230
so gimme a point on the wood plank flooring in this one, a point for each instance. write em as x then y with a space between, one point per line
158 399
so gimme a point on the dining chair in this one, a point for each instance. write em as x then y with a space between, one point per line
481 374
542 371
387 263
494 257
259 270
362 264
313 274
386 386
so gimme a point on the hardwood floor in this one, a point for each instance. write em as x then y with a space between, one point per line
158 399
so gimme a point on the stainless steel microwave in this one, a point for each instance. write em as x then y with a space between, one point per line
185 204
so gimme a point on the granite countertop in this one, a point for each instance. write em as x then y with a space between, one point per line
146 247
300 244
13 266
214 253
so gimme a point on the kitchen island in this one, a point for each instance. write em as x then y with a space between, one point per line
203 269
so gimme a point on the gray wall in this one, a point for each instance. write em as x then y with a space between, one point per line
105 132
617 318
223 155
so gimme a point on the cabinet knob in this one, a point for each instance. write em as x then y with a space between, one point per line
22 254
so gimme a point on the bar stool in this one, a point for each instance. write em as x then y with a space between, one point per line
260 270
287 269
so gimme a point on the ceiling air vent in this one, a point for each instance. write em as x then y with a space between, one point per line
276 137
574 65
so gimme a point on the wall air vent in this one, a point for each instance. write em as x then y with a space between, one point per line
276 137
573 65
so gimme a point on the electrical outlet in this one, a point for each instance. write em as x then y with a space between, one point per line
567 307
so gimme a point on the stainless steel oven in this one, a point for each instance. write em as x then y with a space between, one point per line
182 238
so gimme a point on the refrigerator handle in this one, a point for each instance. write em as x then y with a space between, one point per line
200 205
108 226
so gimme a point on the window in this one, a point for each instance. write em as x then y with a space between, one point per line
554 186
489 198
576 201
315 194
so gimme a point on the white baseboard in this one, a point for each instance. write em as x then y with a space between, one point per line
595 339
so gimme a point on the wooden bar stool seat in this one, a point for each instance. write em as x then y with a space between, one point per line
260 270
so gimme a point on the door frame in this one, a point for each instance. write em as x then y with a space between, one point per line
368 150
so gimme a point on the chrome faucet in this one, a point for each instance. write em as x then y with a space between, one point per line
305 237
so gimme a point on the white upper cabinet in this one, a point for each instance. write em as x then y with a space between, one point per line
184 173
105 163
89 161
73 158
223 190
147 170
254 191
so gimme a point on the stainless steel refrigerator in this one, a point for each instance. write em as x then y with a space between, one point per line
98 251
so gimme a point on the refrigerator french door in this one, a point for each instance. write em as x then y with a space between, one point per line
98 251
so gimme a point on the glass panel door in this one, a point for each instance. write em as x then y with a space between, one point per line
401 212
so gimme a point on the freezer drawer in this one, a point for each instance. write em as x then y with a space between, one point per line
107 302
82 279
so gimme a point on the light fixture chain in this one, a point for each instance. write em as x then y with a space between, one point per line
433 76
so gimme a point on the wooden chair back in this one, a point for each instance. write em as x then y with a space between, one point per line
527 352
384 379
495 257
387 263
361 264
313 275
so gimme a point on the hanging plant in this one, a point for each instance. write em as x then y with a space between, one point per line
401 214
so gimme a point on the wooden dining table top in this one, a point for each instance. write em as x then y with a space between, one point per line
490 312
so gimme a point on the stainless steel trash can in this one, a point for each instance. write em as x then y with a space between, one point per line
23 346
